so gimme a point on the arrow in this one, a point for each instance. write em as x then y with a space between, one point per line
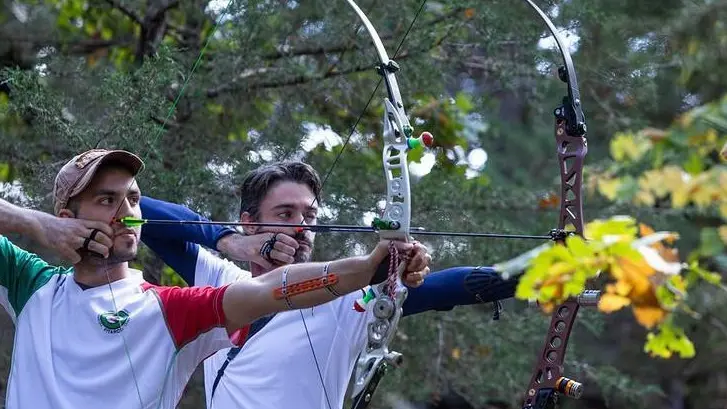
326 228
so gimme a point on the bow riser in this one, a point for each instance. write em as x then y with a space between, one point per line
572 151
397 210
547 381
391 294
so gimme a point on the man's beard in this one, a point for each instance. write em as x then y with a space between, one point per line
305 255
121 257
115 257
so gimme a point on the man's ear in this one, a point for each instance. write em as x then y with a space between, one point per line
66 213
246 217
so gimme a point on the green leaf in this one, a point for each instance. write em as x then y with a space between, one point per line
667 341
710 243
5 172
578 247
694 164
463 102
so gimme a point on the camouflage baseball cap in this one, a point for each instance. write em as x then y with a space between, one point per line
75 175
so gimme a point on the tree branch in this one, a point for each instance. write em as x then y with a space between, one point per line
84 46
345 47
124 10
302 79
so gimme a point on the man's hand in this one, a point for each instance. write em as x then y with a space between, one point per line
417 268
247 248
65 236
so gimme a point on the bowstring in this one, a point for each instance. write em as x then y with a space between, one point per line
333 165
155 138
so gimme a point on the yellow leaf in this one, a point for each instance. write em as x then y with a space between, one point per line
702 193
612 302
628 147
722 230
653 181
622 288
680 197
649 316
711 135
643 198
692 47
547 307
456 353
560 268
550 292
617 272
686 119
578 247
609 187
523 291
674 175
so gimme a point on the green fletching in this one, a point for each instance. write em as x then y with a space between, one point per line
131 221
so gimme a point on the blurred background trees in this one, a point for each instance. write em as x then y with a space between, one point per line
287 79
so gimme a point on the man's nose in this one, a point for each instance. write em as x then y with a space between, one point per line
126 209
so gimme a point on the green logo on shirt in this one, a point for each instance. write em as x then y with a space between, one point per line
113 322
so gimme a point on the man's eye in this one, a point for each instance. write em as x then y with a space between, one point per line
134 200
284 215
107 200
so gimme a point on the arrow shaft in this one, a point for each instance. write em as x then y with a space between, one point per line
325 228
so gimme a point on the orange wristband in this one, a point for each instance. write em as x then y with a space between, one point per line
304 286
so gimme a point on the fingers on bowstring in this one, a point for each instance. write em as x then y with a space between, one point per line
94 241
96 247
104 228
280 257
283 240
283 244
100 236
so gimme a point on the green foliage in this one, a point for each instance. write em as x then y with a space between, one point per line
80 74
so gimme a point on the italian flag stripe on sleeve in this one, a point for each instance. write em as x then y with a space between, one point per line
192 311
21 274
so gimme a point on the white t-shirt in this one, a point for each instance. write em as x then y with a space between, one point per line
77 348
275 369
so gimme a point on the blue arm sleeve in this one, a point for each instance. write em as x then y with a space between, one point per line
178 245
446 289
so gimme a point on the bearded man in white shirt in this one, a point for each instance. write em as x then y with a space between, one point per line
308 355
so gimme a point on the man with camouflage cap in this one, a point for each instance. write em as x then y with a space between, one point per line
96 334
